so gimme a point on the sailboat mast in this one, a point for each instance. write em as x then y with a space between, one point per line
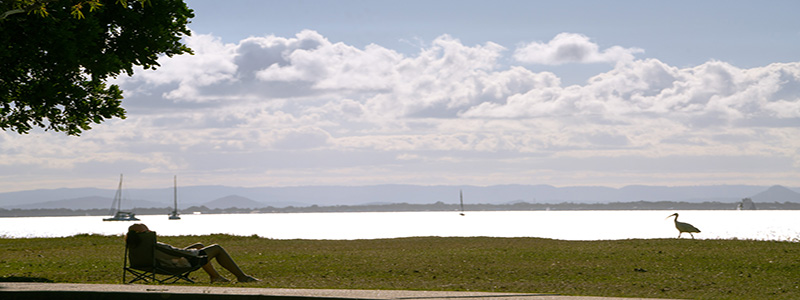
175 179
119 193
117 197
461 196
174 214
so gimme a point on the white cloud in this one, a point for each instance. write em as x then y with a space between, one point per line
337 66
212 63
649 88
261 104
572 48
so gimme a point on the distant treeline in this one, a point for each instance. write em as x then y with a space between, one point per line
405 207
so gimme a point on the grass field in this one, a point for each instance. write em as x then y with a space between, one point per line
658 268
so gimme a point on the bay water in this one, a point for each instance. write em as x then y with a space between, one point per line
781 225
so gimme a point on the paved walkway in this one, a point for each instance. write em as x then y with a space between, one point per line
29 290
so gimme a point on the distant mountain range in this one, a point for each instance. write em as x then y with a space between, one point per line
233 201
225 197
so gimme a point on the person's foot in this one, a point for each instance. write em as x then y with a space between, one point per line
248 278
219 280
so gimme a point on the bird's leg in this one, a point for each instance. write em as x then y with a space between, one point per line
679 234
691 235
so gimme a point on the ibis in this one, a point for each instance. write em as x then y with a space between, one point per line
683 227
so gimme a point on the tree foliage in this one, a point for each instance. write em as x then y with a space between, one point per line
57 56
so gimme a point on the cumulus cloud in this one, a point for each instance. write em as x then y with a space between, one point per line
572 48
714 91
211 64
259 104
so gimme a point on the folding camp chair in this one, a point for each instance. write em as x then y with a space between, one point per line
144 266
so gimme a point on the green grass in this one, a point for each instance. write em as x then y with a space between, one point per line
658 268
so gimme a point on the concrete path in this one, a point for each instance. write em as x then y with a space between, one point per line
29 290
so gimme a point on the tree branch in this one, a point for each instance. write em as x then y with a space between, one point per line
11 12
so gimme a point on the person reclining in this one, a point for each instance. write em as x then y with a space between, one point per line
212 252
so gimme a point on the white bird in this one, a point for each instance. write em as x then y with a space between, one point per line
684 227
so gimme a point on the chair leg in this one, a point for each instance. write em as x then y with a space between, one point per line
138 275
177 277
153 276
125 262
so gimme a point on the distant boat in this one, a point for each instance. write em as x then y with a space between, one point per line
174 214
120 215
461 195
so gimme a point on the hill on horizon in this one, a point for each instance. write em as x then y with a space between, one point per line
91 202
776 193
279 197
233 201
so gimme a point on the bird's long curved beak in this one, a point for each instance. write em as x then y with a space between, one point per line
669 216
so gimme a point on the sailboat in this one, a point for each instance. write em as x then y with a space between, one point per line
461 195
174 214
120 215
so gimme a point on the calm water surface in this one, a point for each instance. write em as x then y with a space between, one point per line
566 225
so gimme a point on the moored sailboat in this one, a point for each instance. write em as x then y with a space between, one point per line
174 214
120 215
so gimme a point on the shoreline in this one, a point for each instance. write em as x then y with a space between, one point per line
405 207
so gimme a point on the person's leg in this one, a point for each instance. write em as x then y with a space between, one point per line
226 261
208 267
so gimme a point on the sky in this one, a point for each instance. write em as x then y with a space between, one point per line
565 93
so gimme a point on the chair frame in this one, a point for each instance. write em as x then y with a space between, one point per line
154 272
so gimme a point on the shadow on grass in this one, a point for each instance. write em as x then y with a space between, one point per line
23 279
